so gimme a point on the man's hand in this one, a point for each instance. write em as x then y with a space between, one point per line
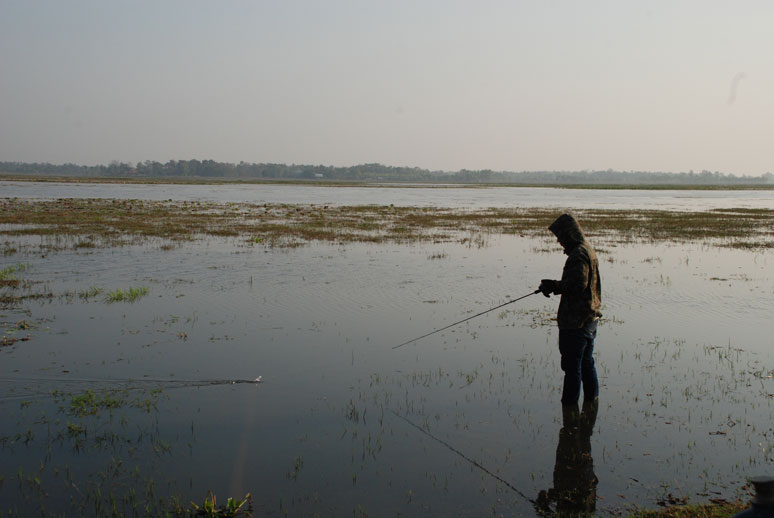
547 287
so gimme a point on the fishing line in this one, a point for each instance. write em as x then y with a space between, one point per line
466 319
474 462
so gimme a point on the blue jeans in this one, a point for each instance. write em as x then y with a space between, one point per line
577 348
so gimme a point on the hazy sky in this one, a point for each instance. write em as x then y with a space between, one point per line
505 85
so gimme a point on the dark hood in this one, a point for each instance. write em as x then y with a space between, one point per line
567 231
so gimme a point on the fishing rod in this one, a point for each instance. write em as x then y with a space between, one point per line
466 319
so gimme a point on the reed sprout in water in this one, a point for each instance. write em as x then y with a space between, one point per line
128 295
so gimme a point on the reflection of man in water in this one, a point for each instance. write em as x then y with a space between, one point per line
575 484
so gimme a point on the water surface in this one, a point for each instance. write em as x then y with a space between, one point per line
684 356
454 197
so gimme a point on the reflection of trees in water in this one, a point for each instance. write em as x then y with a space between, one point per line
574 490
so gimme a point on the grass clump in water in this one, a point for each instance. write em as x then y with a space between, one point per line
129 295
90 403
209 507
93 291
719 510
8 274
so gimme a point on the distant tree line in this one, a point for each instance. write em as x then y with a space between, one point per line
377 173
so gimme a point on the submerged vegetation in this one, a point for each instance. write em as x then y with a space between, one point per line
91 223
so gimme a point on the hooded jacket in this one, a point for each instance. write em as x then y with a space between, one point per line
580 287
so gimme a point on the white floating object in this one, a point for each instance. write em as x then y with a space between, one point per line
258 379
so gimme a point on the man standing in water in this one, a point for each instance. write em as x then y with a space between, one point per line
581 299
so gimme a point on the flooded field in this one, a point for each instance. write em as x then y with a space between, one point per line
141 375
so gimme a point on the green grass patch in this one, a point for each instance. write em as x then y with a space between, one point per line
209 507
713 510
8 279
90 403
128 295
91 292
9 272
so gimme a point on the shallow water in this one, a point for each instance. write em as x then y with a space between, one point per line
684 356
453 197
